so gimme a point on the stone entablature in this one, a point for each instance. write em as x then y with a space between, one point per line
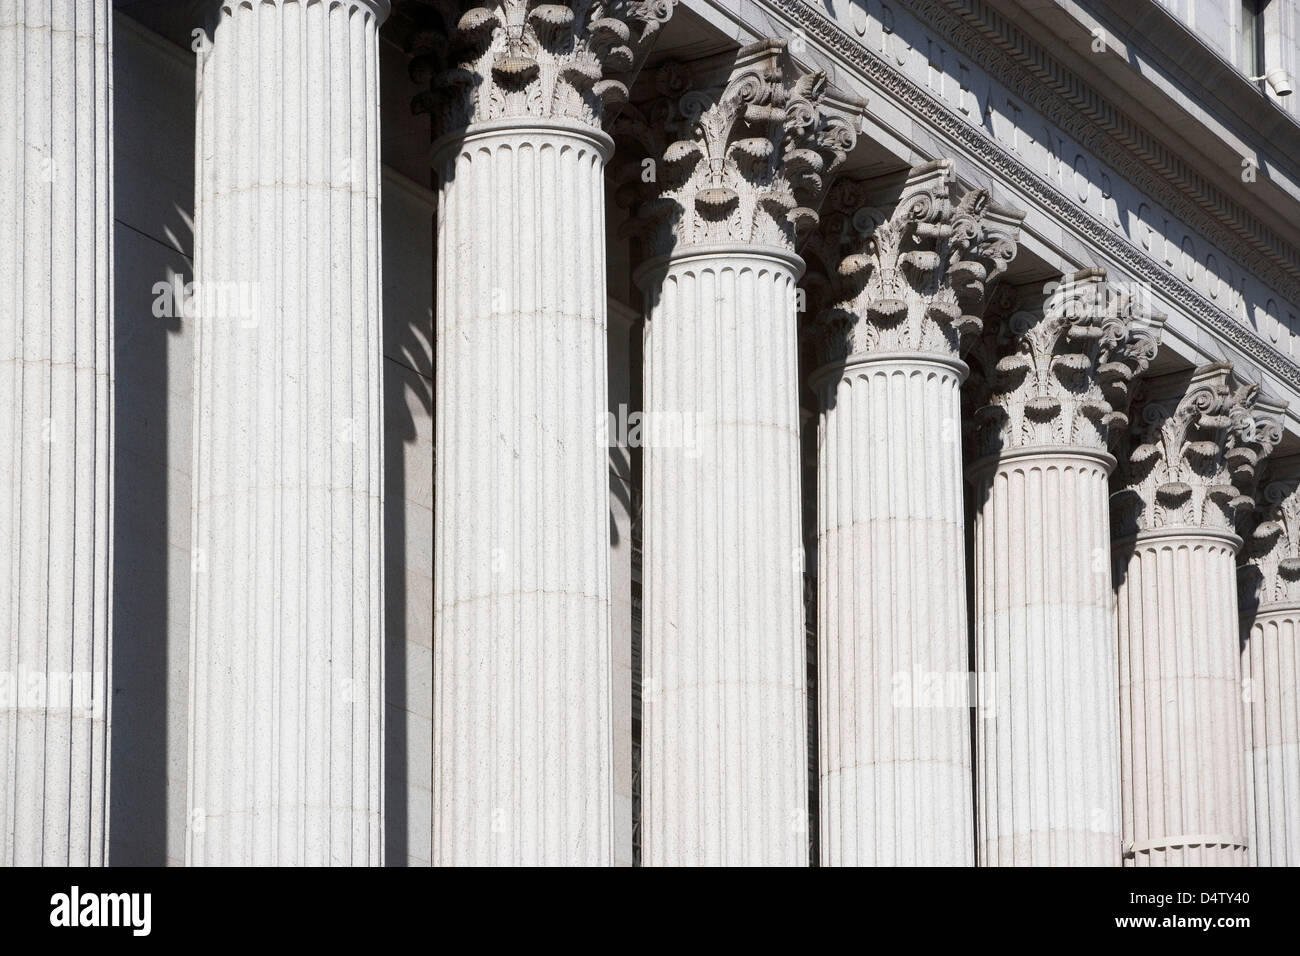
1049 151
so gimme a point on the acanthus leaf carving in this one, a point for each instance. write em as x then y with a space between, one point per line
1003 161
501 59
1194 458
1059 369
915 279
1270 569
739 154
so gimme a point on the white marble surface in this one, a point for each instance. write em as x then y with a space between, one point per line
1047 735
287 611
56 382
724 742
895 757
1182 748
522 719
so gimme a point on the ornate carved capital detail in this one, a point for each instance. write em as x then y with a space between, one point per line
1270 572
916 279
1003 161
741 154
1193 458
520 59
1059 370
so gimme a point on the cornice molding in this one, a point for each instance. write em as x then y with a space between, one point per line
1040 79
1006 164
1194 65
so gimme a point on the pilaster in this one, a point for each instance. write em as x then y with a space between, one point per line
56 399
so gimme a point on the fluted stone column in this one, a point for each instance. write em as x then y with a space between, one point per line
523 760
1269 584
894 733
1187 473
287 608
1054 383
740 161
908 287
56 373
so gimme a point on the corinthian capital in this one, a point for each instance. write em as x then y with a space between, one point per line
1194 456
1270 572
1059 369
740 152
519 59
916 278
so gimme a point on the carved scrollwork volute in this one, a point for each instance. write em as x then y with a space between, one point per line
741 152
1270 558
1192 459
916 276
1059 368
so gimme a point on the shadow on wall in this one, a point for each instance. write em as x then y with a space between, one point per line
150 429
154 98
408 392
153 192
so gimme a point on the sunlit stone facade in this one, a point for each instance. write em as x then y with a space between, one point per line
649 432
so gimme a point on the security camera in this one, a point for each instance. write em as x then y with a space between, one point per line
1279 82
